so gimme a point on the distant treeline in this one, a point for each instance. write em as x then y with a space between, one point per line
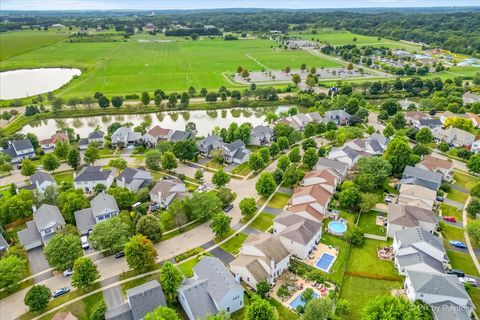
197 31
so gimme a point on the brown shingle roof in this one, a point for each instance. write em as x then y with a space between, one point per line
320 194
433 163
269 245
158 131
307 208
409 216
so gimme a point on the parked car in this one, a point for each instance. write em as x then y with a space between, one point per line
389 198
450 219
119 254
68 272
85 244
439 198
458 273
470 280
228 207
60 292
458 244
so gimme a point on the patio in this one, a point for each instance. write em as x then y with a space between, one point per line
316 254
385 253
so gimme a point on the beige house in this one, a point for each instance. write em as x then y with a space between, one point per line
402 216
438 165
417 196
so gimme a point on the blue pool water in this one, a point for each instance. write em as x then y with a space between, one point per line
337 227
298 300
325 262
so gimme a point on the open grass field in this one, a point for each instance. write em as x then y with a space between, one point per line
277 60
18 42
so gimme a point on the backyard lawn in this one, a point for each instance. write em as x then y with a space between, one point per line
456 195
233 245
368 224
80 309
263 221
338 268
63 177
451 211
279 200
283 312
462 261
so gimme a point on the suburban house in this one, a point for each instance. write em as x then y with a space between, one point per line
469 97
47 220
475 119
263 257
210 143
50 142
19 150
323 177
401 216
179 135
454 136
261 135
102 208
166 190
346 154
437 165
417 196
448 114
211 290
416 249
235 152
140 300
297 233
475 146
376 144
413 117
134 179
156 134
443 292
339 117
89 177
339 168
299 121
149 27
311 200
406 103
93 137
421 177
3 244
41 180
124 136
428 123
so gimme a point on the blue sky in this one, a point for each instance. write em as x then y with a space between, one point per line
208 4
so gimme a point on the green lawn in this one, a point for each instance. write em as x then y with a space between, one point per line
452 233
358 291
242 169
339 267
63 177
214 164
233 245
462 261
81 309
278 201
475 295
464 180
283 312
367 223
263 221
451 211
278 60
187 266
456 195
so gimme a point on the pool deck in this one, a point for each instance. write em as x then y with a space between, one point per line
321 249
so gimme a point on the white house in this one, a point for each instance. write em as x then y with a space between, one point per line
298 234
165 191
155 135
124 136
19 150
102 207
41 180
454 136
89 177
402 216
261 135
263 257
211 290
93 137
235 152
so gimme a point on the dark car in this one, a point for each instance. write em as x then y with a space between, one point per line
228 207
119 254
458 273
439 199
60 292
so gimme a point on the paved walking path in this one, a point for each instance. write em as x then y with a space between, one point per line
467 238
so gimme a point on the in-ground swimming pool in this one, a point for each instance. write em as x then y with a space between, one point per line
299 302
337 228
325 262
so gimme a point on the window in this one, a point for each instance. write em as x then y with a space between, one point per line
47 231
228 309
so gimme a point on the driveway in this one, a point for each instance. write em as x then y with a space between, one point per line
38 263
113 296
453 203
223 255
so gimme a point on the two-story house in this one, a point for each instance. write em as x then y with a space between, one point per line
134 179
179 135
263 257
402 216
209 144
165 191
19 149
211 290
47 220
89 177
339 117
96 137
434 164
102 208
125 136
235 152
261 135
48 144
421 177
155 135
41 180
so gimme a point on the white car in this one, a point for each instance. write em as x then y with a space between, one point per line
68 272
85 244
470 280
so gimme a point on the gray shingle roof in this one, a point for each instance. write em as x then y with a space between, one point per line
212 140
22 144
339 167
121 312
237 144
179 135
48 216
425 178
420 257
29 235
430 123
84 220
95 173
449 311
103 203
437 284
299 229
40 177
95 135
131 174
3 242
197 297
83 141
411 236
409 216
145 298
261 131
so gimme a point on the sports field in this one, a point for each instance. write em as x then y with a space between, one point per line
18 42
293 59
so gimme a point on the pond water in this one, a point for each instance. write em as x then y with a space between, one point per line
24 83
205 120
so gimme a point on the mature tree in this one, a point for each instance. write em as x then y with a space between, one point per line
283 162
170 278
204 205
369 200
255 161
283 143
57 104
12 269
99 188
319 309
28 168
263 288
91 154
392 308
153 159
349 196
73 158
473 207
110 235
473 230
85 273
117 101
140 253
310 158
149 226
292 175
248 206
264 154
388 131
222 315
61 149
103 102
266 184
123 196
37 298
391 106
372 173
260 309
355 237
473 163
17 206
296 79
424 135
294 155
226 195
98 311
162 313
169 161
220 178
5 162
421 150
399 155
398 121
308 143
185 150
62 251
274 149
50 162
145 98
221 224
118 163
